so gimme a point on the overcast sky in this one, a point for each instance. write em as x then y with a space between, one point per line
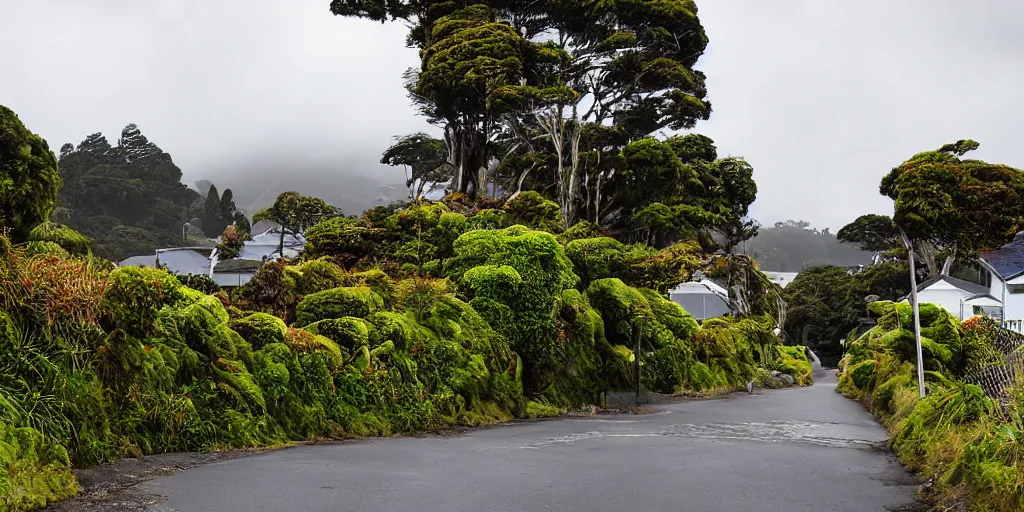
822 97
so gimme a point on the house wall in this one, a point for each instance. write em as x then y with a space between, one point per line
228 279
1013 303
701 305
946 298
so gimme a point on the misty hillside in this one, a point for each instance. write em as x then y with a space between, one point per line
352 193
257 179
793 245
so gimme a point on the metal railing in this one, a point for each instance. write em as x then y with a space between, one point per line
1016 326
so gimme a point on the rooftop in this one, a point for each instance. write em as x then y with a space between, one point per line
967 286
1007 260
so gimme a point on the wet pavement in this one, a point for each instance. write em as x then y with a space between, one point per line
788 450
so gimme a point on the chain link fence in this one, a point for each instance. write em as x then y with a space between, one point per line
996 377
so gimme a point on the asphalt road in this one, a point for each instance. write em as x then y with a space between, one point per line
787 450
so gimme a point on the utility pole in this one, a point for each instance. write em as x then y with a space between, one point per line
917 313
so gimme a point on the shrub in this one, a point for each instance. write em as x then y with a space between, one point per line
319 275
34 471
794 361
200 282
66 238
35 248
533 210
135 296
348 332
260 329
337 303
302 341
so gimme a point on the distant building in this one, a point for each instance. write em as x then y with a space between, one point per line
781 278
185 260
261 249
230 272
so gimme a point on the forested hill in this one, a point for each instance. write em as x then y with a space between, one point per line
129 198
792 246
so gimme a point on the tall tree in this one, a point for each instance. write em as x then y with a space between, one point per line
875 233
570 83
424 158
296 212
129 198
969 205
213 219
29 181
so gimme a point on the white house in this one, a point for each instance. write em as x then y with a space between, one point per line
230 272
254 253
999 293
702 298
1005 280
963 299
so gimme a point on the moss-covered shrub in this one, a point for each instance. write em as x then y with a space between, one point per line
794 361
301 341
596 258
957 436
337 303
319 275
35 248
66 238
34 471
533 210
348 332
260 329
135 296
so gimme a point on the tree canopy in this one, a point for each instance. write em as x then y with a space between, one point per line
29 180
544 95
967 205
871 232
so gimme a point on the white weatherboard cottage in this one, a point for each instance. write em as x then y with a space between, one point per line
963 299
1000 293
1005 281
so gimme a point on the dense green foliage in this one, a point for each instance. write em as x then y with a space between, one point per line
876 233
438 324
827 304
29 180
964 441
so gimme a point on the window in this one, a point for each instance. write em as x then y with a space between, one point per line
1015 288
992 311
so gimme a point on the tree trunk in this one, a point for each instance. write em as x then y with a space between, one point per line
948 265
917 314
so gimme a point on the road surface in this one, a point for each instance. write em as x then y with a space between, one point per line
788 450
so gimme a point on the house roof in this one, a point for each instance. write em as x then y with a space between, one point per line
1008 260
702 286
982 300
967 286
237 265
185 260
139 261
